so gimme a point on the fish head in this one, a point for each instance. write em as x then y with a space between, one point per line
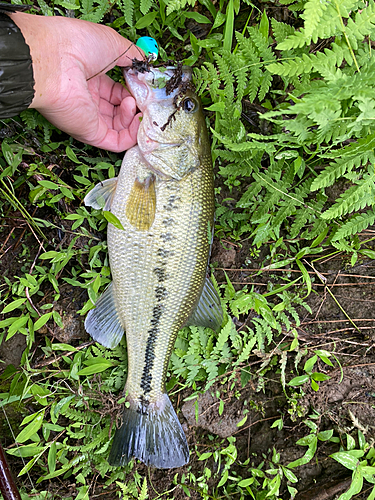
172 136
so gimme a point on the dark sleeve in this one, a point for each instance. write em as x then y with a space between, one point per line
16 71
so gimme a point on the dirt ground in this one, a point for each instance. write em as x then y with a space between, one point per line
345 402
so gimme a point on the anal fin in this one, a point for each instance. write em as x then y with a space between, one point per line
103 322
102 194
208 312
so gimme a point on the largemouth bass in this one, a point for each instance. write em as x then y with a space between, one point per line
164 199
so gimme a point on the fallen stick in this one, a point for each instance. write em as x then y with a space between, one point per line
8 487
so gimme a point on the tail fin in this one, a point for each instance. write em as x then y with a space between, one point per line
151 433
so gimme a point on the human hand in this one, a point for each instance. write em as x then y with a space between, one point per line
70 57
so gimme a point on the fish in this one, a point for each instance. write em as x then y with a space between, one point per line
163 199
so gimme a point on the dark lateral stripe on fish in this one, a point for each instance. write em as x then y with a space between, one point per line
161 294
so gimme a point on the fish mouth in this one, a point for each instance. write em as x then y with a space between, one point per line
156 83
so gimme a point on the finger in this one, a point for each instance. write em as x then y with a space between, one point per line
125 113
106 108
112 91
106 137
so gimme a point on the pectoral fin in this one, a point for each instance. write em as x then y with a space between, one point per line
208 312
141 205
102 194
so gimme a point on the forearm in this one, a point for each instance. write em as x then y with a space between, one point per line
45 50
16 81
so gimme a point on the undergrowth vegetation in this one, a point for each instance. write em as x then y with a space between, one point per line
291 112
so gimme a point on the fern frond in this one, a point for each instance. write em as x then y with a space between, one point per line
264 50
354 198
246 351
30 117
298 39
364 23
127 8
353 155
281 30
296 66
355 225
145 6
313 15
173 5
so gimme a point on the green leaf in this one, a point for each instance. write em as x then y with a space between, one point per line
100 366
206 455
312 442
345 459
224 478
325 435
63 347
306 276
17 325
264 25
289 475
319 376
49 184
324 355
197 17
50 255
274 486
369 253
221 407
229 27
60 406
29 450
219 20
146 20
52 458
217 106
66 192
361 440
7 152
246 482
71 155
350 442
42 321
355 487
112 219
310 364
32 428
242 422
314 385
57 319
13 305
372 494
300 380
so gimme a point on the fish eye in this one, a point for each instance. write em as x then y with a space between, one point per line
189 105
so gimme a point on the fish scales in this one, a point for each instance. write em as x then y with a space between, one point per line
156 298
164 200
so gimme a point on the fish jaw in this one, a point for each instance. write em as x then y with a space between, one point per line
172 136
150 86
